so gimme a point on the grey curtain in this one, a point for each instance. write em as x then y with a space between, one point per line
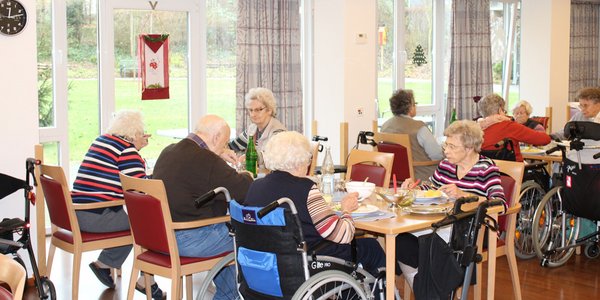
268 55
471 57
583 56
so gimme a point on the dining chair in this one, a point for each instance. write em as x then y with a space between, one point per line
400 145
66 233
511 178
546 120
155 247
377 166
14 275
314 149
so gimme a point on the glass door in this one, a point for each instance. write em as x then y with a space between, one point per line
120 86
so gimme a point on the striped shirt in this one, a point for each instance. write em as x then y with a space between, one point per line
98 176
482 180
338 229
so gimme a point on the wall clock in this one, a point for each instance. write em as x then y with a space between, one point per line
13 17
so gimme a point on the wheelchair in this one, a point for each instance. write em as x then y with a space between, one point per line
10 226
558 217
536 182
272 260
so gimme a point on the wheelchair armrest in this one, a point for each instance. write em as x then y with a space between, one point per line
200 223
426 163
103 204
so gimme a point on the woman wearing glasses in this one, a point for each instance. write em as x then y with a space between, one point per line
261 108
463 173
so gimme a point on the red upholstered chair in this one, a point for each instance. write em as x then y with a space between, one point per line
66 234
155 247
375 165
512 176
399 144
13 274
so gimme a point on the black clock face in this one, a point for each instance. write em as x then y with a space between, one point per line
13 17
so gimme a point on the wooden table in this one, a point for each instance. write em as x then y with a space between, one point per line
545 157
405 222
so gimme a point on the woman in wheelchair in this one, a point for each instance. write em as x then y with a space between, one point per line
288 155
463 173
497 127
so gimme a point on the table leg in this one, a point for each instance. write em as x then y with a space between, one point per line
492 242
390 265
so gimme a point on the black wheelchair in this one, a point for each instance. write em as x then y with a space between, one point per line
272 260
536 182
11 226
559 216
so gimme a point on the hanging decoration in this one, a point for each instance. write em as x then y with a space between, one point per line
154 60
419 57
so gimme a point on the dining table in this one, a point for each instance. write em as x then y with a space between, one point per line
405 221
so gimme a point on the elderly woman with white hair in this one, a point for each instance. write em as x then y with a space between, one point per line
521 113
114 152
288 155
261 108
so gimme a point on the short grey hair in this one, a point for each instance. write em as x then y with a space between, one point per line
127 123
490 105
287 151
526 105
264 96
469 132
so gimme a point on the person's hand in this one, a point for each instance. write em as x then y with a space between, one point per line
141 141
229 156
452 191
407 184
350 202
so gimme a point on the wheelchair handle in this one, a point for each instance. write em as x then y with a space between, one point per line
553 149
273 205
318 138
462 200
596 156
200 201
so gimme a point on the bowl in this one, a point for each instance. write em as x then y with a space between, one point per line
400 199
364 189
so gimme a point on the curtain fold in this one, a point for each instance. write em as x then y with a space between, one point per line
268 55
470 59
583 56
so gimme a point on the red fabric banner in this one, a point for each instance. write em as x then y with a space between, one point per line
154 61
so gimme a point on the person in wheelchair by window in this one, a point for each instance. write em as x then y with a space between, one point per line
288 155
497 127
521 113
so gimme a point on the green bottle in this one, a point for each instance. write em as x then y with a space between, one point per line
453 117
251 156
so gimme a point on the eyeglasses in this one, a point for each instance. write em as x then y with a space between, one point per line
451 147
255 110
586 105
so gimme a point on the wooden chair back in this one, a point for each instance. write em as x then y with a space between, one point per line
14 275
403 160
373 158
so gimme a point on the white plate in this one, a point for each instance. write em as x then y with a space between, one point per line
365 209
428 209
528 150
421 198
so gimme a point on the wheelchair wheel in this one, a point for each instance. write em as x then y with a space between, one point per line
592 250
531 195
330 285
203 293
48 288
548 229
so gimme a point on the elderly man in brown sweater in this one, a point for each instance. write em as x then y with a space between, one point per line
189 169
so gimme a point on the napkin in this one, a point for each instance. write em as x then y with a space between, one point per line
375 216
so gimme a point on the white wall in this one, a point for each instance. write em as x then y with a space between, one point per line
18 120
545 34
345 69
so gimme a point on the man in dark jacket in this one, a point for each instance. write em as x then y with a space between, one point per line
189 169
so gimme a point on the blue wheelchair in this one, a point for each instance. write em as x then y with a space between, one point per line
272 260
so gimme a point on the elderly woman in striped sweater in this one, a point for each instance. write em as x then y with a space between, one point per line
98 180
463 173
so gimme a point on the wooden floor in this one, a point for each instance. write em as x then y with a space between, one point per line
578 279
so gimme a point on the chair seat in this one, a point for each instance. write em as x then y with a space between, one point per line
164 260
67 236
5 294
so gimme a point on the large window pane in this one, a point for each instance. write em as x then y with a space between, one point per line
418 45
221 18
44 50
385 55
500 15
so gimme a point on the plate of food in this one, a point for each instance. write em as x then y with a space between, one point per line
429 196
532 150
428 209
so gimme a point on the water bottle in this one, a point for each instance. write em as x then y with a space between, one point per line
251 156
327 175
